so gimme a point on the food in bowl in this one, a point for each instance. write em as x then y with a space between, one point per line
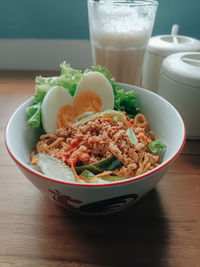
101 149
94 198
97 143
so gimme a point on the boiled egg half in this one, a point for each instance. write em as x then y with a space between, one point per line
93 93
54 100
97 83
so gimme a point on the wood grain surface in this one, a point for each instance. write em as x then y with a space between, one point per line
163 229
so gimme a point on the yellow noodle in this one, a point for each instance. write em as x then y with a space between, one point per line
45 148
134 155
56 142
141 121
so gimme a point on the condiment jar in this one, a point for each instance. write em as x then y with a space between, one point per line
179 83
159 47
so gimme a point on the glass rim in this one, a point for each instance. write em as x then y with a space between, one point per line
126 2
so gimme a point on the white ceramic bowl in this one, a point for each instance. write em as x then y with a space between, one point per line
164 120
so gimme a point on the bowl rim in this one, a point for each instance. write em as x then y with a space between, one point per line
76 184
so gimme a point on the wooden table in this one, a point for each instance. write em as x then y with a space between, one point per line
163 229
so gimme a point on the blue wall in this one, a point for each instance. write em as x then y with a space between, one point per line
67 19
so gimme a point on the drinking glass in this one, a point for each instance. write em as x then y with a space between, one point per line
119 33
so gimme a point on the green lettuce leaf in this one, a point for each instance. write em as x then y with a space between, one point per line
40 92
69 77
126 101
33 116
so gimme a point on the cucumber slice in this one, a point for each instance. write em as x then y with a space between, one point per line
55 168
113 178
87 174
108 164
34 167
114 115
132 137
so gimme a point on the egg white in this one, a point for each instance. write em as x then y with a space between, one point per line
54 100
96 82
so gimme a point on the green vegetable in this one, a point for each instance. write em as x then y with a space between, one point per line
108 164
84 115
87 174
55 168
114 115
88 118
40 91
156 146
110 178
132 137
69 77
33 116
126 101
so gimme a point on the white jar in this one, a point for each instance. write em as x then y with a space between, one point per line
158 49
179 83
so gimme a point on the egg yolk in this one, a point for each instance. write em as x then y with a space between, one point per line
87 101
65 116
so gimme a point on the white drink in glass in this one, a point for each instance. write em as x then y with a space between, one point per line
119 34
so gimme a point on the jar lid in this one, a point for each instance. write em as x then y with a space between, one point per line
165 45
183 68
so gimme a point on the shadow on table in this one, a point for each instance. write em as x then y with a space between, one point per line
136 236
